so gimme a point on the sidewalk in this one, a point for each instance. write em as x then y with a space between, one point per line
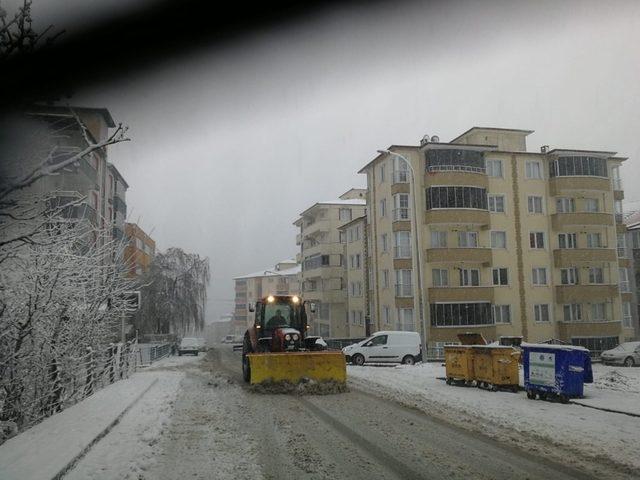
48 449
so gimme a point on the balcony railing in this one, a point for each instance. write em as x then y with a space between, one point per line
622 252
400 214
624 287
119 205
401 176
404 290
619 218
402 251
455 168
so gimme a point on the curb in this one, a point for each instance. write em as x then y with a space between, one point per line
621 412
72 463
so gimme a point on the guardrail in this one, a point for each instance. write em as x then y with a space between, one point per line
147 353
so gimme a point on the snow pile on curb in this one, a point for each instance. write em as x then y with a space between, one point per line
308 387
599 435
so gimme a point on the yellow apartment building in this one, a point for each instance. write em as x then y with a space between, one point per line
508 242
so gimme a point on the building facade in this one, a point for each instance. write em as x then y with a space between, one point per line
632 249
323 278
358 312
508 242
116 205
139 251
281 279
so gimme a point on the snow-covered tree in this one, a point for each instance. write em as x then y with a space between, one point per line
175 293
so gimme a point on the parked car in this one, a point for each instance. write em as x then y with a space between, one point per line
627 354
189 345
228 339
386 347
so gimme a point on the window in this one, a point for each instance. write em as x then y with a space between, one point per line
456 197
438 239
357 261
402 247
598 312
385 279
500 276
627 319
382 173
342 236
440 277
622 245
353 317
596 275
541 312
494 168
386 314
569 276
455 159
594 240
344 214
615 178
565 205
460 314
498 239
139 244
567 240
539 275
572 312
405 320
591 205
353 234
536 239
401 206
383 242
468 239
400 170
383 207
496 203
535 204
469 277
635 239
578 166
501 313
624 280
403 283
533 169
617 207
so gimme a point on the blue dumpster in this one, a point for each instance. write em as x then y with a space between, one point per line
555 371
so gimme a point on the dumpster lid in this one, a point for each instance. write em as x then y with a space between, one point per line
470 338
554 347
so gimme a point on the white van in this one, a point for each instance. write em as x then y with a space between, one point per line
386 347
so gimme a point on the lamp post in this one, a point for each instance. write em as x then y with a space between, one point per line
416 248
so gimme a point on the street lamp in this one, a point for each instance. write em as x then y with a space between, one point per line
416 248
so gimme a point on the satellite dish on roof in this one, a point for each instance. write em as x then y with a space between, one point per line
424 140
435 139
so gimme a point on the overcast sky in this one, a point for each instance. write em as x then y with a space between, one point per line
230 145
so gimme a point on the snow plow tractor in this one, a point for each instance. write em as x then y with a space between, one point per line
277 348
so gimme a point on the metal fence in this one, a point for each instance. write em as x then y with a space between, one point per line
39 391
147 353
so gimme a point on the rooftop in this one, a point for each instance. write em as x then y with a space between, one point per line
270 272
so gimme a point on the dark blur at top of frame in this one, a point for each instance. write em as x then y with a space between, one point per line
136 38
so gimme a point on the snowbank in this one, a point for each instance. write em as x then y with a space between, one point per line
592 432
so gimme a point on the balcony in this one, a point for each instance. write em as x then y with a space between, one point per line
87 169
619 218
402 251
299 239
119 206
460 294
589 329
569 257
118 235
435 177
585 293
459 255
559 185
467 216
401 176
401 214
404 290
561 220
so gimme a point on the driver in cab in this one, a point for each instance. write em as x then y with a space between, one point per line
276 321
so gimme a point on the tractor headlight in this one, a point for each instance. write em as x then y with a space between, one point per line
287 337
296 337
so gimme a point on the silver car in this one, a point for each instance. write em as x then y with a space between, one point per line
627 354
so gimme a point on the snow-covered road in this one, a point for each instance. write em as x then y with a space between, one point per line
203 423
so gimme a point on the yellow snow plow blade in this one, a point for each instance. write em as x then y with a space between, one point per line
295 366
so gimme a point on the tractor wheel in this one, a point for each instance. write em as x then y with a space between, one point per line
629 362
246 368
409 360
449 380
358 359
531 395
563 398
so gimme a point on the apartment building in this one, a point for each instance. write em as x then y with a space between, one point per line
356 279
323 264
509 242
139 251
632 248
281 279
56 127
116 205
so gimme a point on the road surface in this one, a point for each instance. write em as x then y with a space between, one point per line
220 429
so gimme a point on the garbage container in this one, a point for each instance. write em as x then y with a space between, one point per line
555 371
459 358
496 367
